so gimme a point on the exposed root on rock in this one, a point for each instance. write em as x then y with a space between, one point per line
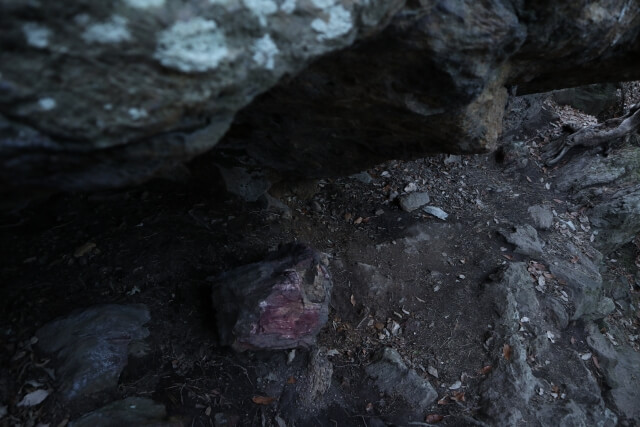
593 136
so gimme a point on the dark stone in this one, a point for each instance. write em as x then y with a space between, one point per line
392 376
525 239
92 345
132 411
281 302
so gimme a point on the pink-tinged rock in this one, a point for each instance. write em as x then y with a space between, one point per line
281 302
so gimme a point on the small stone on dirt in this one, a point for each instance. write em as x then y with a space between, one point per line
435 211
542 216
363 177
525 239
411 202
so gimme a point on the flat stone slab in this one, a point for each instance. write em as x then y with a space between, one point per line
278 303
92 345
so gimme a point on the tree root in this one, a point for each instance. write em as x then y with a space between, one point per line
593 136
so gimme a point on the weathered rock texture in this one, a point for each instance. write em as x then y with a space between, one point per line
96 94
91 345
519 389
281 302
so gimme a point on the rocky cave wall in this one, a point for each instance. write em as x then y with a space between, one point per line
96 95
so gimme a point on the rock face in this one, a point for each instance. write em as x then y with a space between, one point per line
104 94
519 389
281 302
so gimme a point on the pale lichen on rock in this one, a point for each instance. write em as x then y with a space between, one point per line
112 31
261 9
288 6
144 4
339 23
195 45
265 50
47 104
36 35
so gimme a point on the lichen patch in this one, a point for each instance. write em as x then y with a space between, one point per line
36 35
323 4
339 23
144 4
261 9
264 52
137 113
47 104
288 6
110 32
192 46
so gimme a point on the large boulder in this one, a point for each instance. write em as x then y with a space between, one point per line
101 94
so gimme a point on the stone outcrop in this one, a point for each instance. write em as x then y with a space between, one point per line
105 94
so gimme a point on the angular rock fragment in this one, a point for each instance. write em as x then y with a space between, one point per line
525 239
92 345
278 303
394 377
412 201
436 211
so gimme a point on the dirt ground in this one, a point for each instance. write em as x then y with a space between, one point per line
160 244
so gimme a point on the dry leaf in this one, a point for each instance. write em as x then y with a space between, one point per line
486 370
84 249
506 351
358 220
353 300
539 266
433 418
34 398
528 179
444 400
509 257
595 362
558 201
291 380
263 400
574 259
458 396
